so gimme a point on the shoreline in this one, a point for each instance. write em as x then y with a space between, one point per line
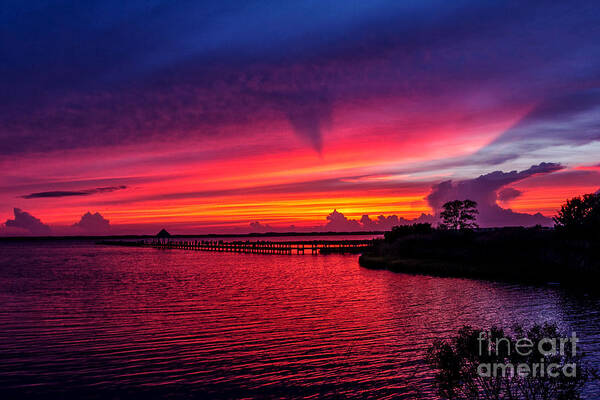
520 255
440 268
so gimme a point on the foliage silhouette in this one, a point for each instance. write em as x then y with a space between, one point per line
459 214
464 365
580 215
405 230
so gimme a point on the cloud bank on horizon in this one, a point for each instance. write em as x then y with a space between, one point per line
486 190
25 224
215 114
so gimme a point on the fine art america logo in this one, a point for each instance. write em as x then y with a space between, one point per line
524 353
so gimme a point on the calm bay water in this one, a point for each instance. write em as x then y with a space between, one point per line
79 319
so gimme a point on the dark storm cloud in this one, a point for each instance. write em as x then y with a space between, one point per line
53 194
63 193
83 74
484 190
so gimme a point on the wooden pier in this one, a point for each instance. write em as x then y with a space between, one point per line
260 247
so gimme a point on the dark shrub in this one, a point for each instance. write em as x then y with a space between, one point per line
467 365
405 230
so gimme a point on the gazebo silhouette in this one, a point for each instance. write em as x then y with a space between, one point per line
163 234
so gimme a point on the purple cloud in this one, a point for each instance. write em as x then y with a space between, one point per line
508 194
569 118
93 223
258 227
383 223
25 221
339 222
484 190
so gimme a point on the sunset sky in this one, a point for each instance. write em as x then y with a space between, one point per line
247 116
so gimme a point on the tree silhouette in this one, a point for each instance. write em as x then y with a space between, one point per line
459 214
460 361
580 214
